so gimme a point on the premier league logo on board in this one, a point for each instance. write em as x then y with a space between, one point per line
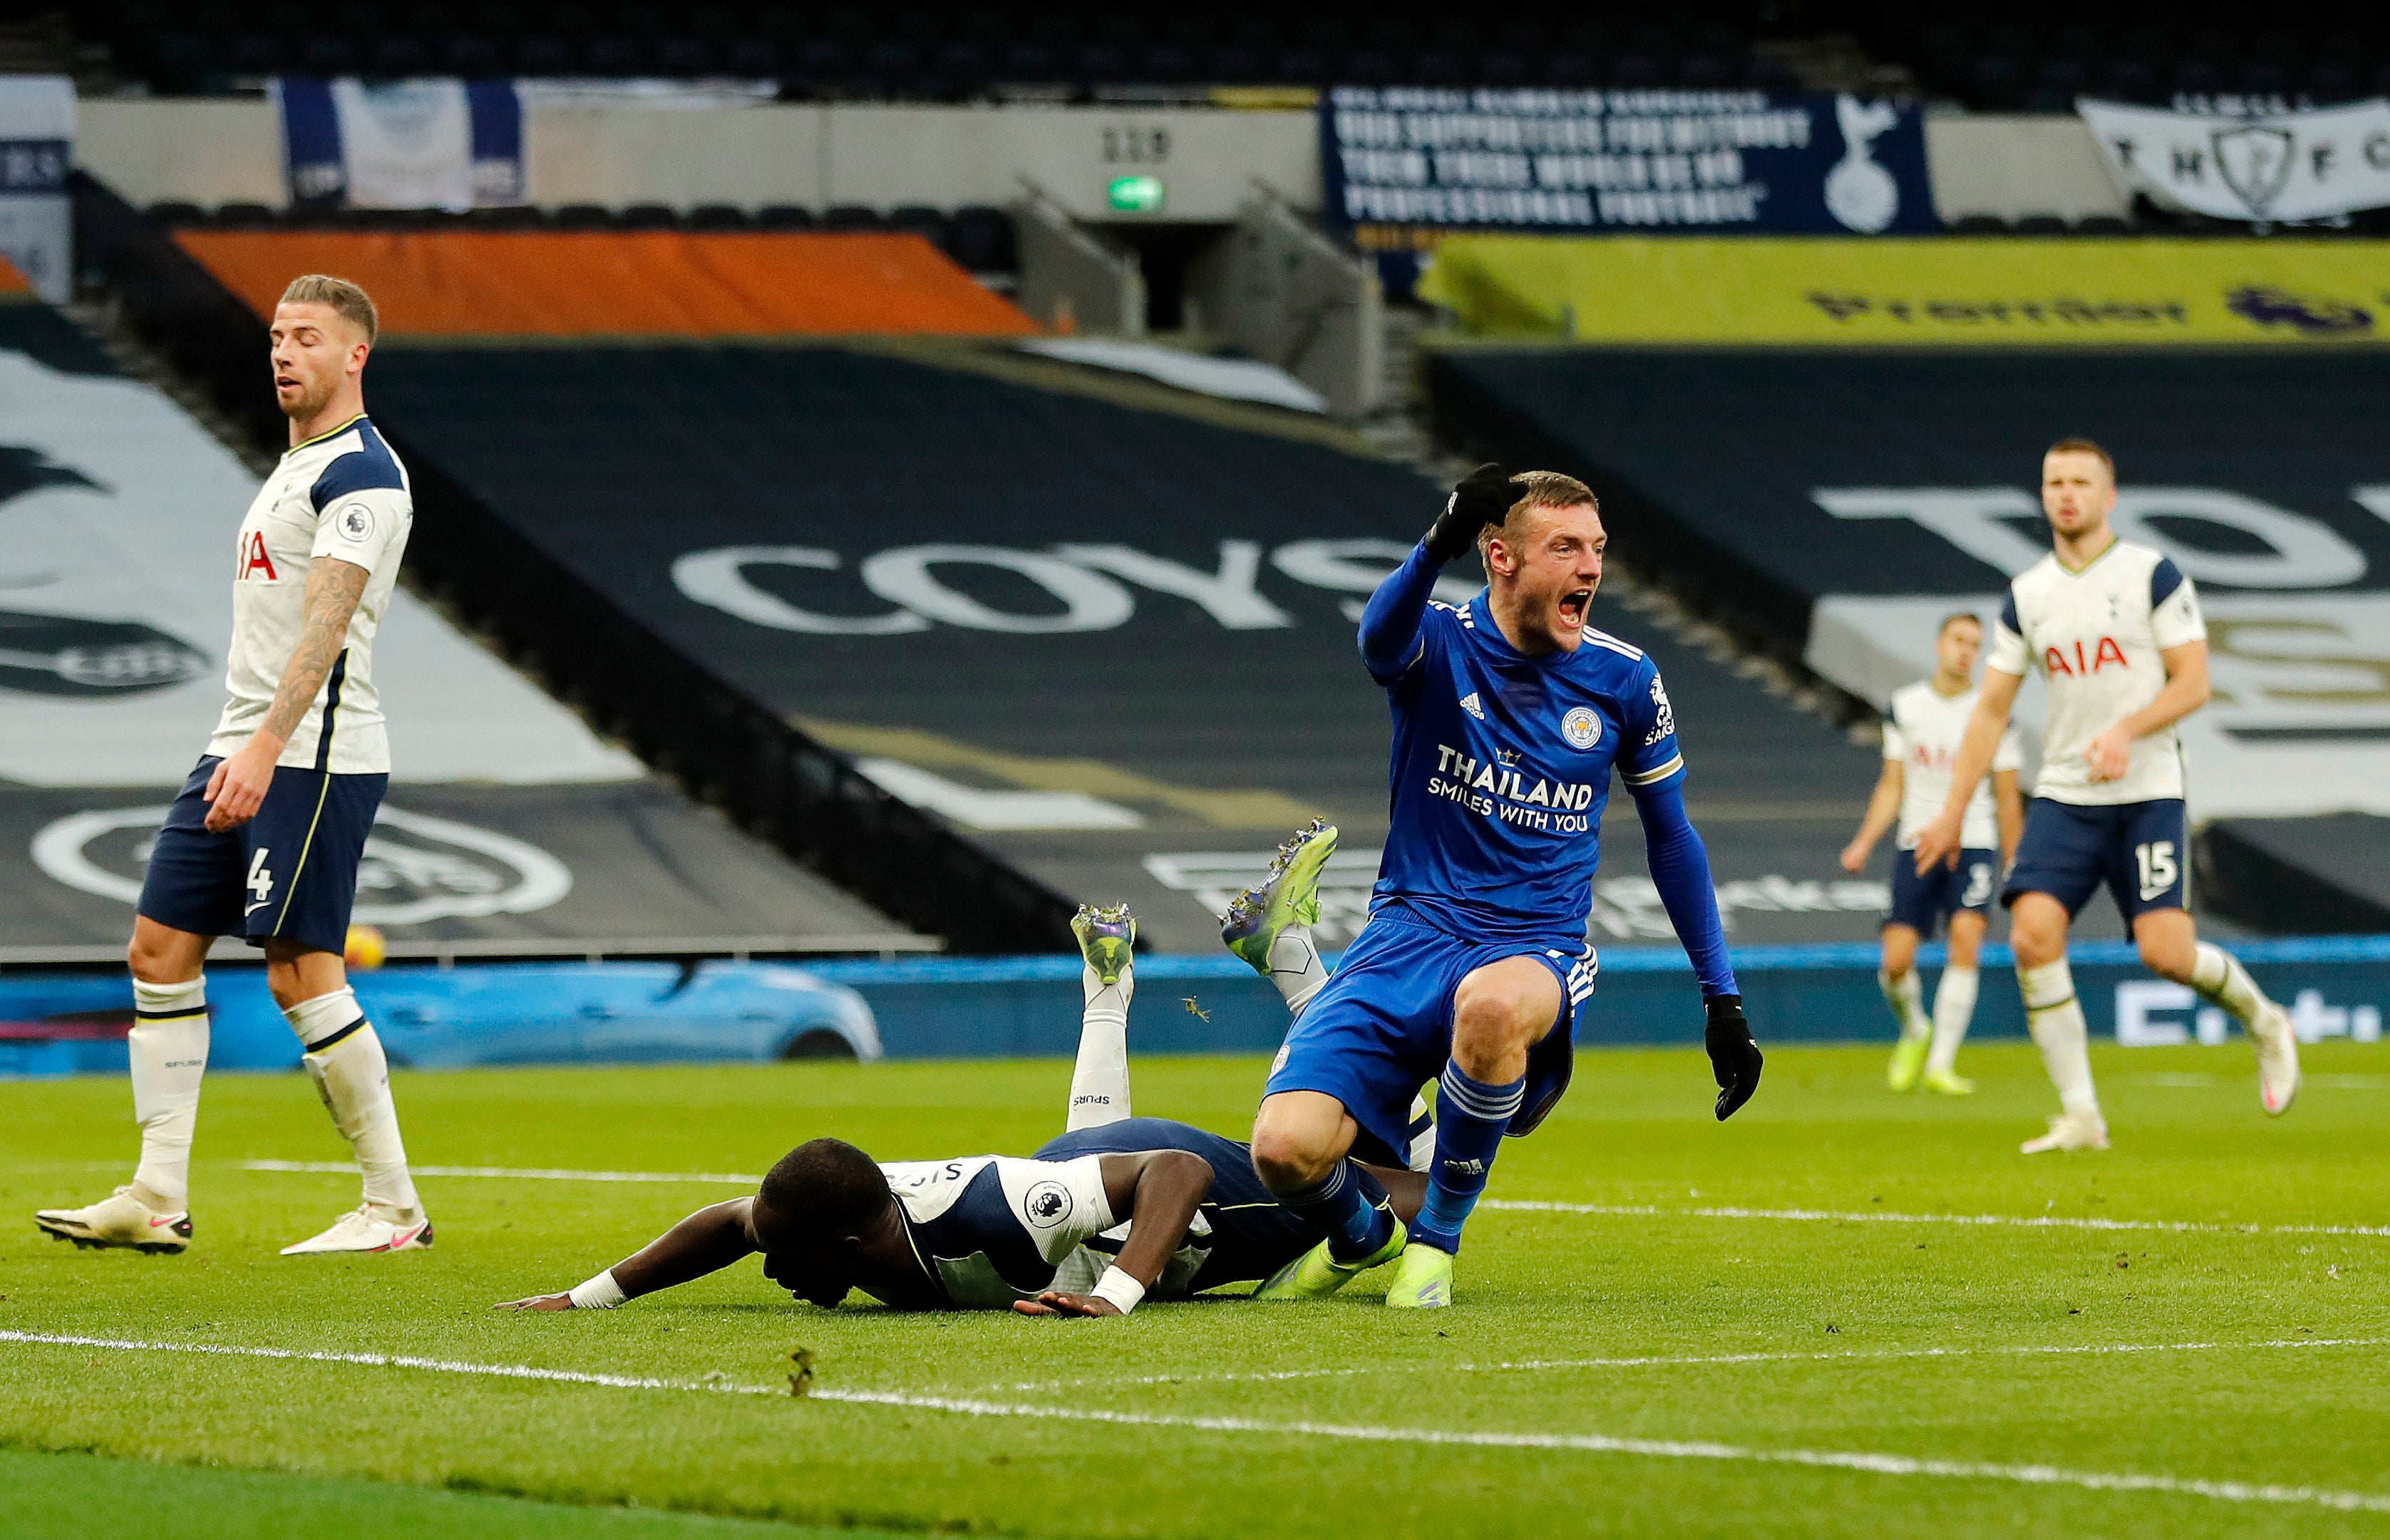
1048 1204
416 869
1581 728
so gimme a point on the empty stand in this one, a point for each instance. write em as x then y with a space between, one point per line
566 283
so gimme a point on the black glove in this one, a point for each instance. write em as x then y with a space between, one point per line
1484 496
1735 1059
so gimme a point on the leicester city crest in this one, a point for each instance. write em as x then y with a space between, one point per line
1581 728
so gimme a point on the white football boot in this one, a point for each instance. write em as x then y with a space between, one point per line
120 1219
2070 1131
2278 1060
369 1227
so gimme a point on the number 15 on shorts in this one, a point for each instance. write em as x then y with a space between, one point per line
2159 869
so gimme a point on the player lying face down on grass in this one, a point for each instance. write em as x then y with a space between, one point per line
1117 1210
1511 715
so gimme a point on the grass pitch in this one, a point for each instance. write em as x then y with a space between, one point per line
1768 1327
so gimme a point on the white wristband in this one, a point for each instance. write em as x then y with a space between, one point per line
1121 1290
599 1293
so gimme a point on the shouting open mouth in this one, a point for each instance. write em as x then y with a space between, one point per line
1573 607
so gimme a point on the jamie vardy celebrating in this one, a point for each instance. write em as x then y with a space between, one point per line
1510 714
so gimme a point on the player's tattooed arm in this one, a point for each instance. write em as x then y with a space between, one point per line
1158 1192
238 787
707 1242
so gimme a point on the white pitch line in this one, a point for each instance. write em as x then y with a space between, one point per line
1617 1211
1543 1366
533 1173
1855 1216
1873 1464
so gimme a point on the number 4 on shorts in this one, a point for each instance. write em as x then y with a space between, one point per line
261 877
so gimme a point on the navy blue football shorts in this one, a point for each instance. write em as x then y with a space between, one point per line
2141 850
1253 1235
291 871
1922 903
1382 1026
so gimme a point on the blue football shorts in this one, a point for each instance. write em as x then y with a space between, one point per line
1382 1026
1922 903
2141 850
290 871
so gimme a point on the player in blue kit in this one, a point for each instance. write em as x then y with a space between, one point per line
1510 715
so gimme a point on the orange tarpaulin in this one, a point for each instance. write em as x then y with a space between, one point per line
457 283
12 281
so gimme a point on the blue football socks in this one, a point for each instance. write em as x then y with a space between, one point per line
1349 1205
1470 1120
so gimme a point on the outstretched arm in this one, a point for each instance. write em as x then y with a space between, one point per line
1391 620
1157 1191
237 789
707 1242
1681 868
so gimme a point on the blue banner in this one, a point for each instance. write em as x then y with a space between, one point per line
410 144
1401 166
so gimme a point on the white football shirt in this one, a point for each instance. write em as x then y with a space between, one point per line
2096 636
1923 731
342 494
994 1229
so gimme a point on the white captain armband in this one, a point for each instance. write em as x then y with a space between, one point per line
599 1293
1121 1290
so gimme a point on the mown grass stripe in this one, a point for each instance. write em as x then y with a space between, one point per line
1854 1461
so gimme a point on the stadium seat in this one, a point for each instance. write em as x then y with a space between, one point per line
582 216
174 215
719 216
981 240
1979 224
648 216
2040 225
849 218
918 220
2103 224
516 217
245 216
784 217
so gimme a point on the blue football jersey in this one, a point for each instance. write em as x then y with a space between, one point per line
1502 769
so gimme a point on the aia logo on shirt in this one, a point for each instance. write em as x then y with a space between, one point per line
255 562
2055 660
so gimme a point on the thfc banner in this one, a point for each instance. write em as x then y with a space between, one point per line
2315 164
408 144
1400 165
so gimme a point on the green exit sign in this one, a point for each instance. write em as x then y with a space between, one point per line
1135 195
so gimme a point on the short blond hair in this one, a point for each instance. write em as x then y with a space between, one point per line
1546 489
318 288
2083 446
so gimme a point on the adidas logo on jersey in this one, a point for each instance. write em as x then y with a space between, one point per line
1471 705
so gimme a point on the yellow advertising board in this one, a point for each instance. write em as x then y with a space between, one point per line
1935 290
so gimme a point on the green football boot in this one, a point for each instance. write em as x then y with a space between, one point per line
1423 1279
1907 1060
1288 895
1317 1274
1947 1083
1107 937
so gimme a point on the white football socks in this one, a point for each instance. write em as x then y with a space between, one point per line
2056 1019
1906 995
2221 979
351 1074
169 1046
1954 1007
1295 968
1100 1078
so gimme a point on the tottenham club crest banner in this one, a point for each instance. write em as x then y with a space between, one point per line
408 144
1402 163
2282 166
